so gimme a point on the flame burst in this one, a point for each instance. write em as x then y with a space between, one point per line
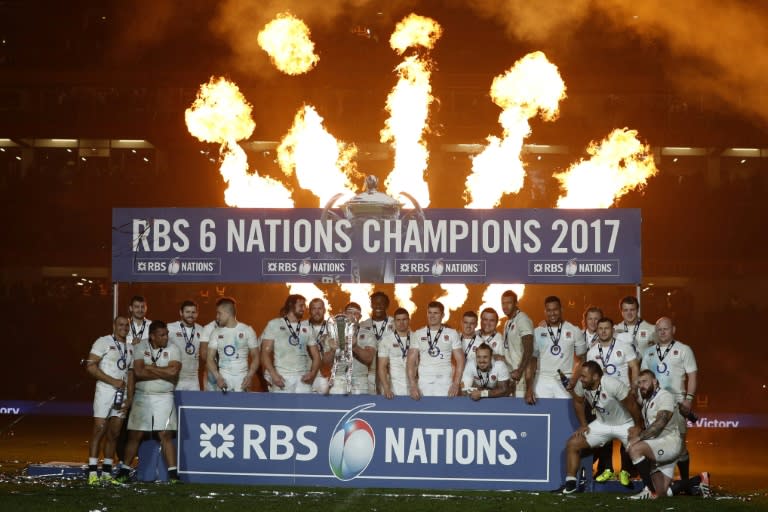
454 296
492 296
286 39
619 163
322 165
221 114
531 86
403 294
408 105
360 293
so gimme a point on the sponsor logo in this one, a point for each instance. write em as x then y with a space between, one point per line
177 266
573 267
352 445
440 267
306 267
217 441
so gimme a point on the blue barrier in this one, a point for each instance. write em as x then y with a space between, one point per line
369 441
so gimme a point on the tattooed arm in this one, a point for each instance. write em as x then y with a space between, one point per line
655 428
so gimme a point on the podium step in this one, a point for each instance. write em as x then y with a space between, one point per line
67 469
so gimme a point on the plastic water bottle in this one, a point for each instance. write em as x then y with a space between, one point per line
564 379
119 397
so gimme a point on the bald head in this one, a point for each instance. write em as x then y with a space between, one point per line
665 330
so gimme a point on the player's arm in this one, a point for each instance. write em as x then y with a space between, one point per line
143 372
130 389
630 404
530 373
92 367
330 349
634 374
578 407
687 404
458 371
519 372
655 428
365 355
314 353
502 389
382 370
412 366
576 371
254 357
213 368
203 367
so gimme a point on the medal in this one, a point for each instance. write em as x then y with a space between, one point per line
433 350
155 357
555 349
661 367
293 339
121 362
610 369
229 350
189 347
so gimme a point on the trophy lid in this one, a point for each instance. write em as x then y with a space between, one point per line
372 203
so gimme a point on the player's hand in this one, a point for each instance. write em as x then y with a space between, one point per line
388 393
582 431
515 375
415 393
308 378
571 383
475 394
220 382
118 383
246 383
453 389
530 397
278 380
685 407
126 404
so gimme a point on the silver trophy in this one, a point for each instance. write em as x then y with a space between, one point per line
344 331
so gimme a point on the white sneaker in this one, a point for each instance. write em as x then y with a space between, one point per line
645 494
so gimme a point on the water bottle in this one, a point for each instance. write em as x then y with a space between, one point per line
119 397
564 379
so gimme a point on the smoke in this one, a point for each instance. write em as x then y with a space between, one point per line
721 48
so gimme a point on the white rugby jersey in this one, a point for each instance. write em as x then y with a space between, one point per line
395 348
514 329
232 345
606 400
670 363
187 339
159 357
614 359
111 351
290 345
557 356
437 360
662 400
642 334
474 378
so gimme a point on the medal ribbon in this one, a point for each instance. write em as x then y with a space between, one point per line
608 353
433 344
141 332
658 351
120 351
403 348
376 331
469 347
294 333
187 340
555 340
483 377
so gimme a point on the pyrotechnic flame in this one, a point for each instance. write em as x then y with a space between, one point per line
532 85
492 296
309 291
286 39
454 296
360 293
221 114
323 165
408 105
415 30
403 294
619 163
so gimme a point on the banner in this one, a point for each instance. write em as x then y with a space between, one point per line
427 246
369 441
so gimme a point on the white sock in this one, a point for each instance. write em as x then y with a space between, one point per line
93 461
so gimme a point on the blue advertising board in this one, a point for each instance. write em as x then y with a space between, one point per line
439 246
369 441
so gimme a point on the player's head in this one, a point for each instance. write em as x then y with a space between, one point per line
188 312
402 320
489 319
316 310
553 310
605 329
353 311
591 315
468 324
647 383
226 312
158 334
590 375
665 330
379 305
435 312
294 305
484 357
508 302
121 326
137 307
630 308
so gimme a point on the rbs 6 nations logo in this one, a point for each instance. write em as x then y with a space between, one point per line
352 445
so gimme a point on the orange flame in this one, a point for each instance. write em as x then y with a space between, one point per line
322 165
286 39
619 163
453 297
492 296
403 294
532 85
221 114
408 105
